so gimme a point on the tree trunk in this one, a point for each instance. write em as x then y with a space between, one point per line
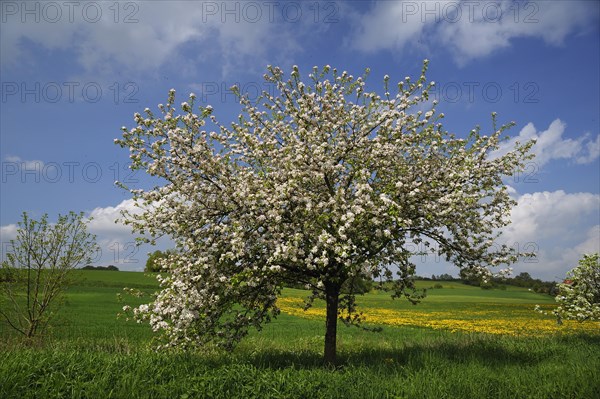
332 294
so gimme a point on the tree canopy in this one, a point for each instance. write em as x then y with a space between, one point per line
321 183
579 295
154 262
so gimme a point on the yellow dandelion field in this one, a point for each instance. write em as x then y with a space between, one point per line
506 319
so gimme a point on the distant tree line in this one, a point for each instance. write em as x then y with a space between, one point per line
523 280
109 268
358 285
441 277
537 285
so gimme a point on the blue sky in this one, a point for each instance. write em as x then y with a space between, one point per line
73 73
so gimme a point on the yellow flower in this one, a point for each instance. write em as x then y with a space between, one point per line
504 319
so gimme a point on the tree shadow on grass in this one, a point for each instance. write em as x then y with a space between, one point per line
492 352
589 339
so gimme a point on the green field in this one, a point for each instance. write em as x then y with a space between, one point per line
433 350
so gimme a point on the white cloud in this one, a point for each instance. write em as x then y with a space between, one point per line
135 45
156 34
551 21
550 144
547 214
470 30
592 243
104 219
389 25
590 152
116 241
511 190
559 227
8 232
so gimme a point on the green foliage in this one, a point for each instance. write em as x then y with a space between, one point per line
579 294
443 277
317 184
524 276
153 264
357 285
92 354
523 280
107 268
423 366
38 269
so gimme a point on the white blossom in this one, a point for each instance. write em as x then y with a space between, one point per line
579 297
311 185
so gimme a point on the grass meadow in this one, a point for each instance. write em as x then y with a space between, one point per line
460 342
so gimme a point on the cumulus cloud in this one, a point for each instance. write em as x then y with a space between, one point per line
117 245
8 232
592 242
104 221
559 227
547 214
590 151
470 30
116 241
551 144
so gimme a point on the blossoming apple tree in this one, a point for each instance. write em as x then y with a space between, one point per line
321 184
579 295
